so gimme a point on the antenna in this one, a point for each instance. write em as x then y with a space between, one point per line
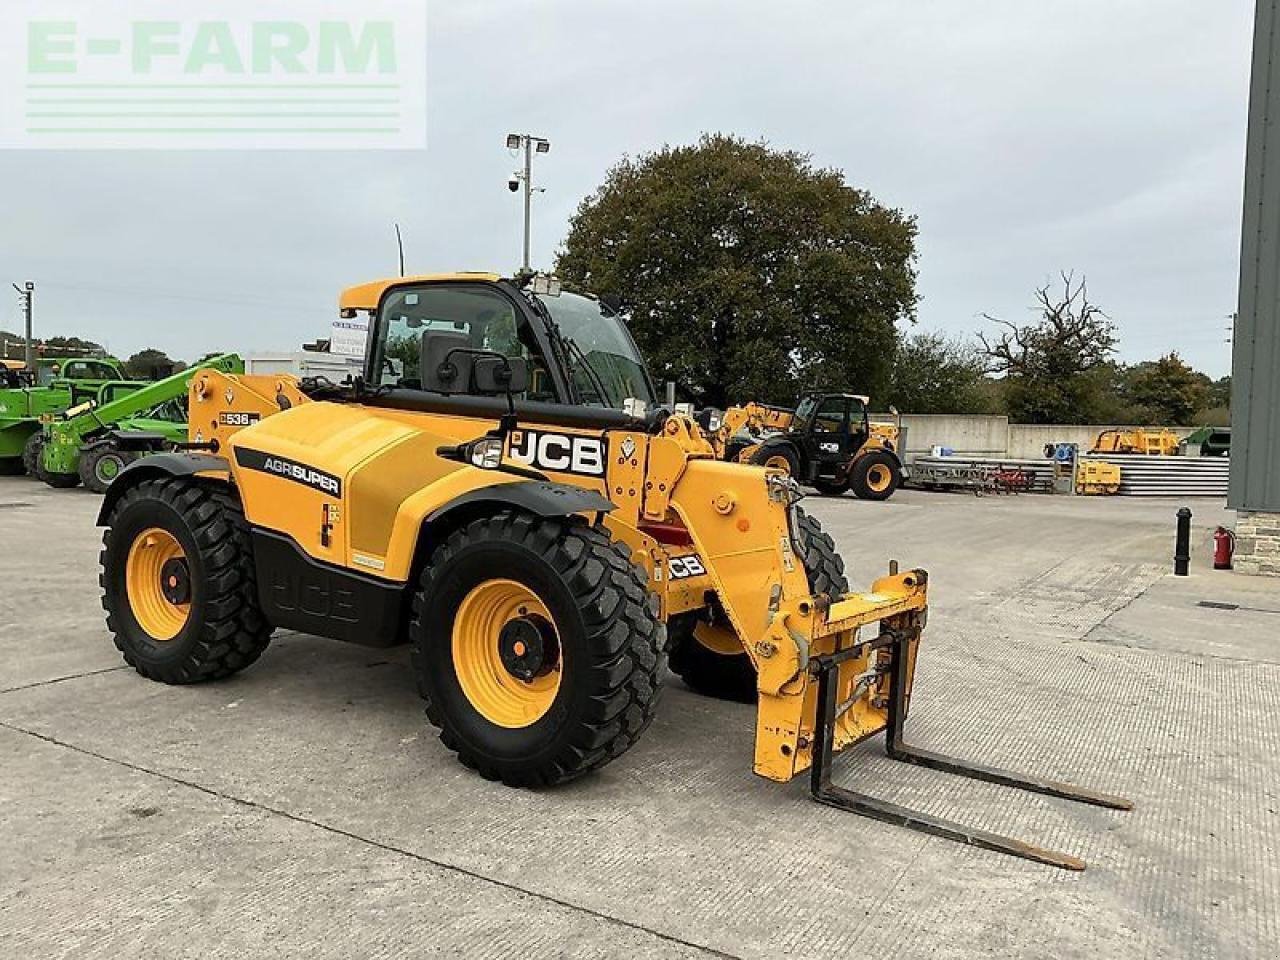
400 244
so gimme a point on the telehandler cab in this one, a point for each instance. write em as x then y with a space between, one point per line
501 491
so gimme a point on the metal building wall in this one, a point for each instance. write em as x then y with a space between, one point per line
1255 366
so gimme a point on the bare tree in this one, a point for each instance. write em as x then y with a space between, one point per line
1054 369
1071 337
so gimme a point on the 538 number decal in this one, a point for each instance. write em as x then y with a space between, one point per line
231 418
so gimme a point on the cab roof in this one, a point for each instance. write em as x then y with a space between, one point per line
367 296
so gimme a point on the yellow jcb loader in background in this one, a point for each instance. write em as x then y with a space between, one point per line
1162 442
827 442
501 491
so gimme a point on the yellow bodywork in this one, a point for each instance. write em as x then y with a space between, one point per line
1161 442
367 296
1094 478
392 478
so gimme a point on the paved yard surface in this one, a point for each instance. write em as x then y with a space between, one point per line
305 808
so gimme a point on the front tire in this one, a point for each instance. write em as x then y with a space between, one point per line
875 475
100 466
708 657
537 648
178 582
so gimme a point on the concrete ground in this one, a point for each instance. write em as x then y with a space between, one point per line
305 808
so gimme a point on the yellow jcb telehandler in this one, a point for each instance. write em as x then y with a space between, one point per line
827 442
501 491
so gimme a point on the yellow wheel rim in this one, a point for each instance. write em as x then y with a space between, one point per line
494 620
779 463
147 580
879 477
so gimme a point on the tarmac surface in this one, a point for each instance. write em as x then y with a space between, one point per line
305 808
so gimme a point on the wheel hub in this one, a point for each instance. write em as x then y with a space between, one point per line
528 648
108 468
175 581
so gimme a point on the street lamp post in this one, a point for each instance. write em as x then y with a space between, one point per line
26 297
531 145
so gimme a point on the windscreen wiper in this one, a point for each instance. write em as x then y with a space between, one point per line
568 349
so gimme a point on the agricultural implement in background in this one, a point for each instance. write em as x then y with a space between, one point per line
513 503
1156 443
827 442
93 442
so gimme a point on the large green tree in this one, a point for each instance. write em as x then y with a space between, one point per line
933 373
746 272
1056 369
1167 391
151 364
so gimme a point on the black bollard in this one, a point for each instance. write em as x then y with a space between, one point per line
1182 548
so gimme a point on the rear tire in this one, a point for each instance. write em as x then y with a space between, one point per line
732 676
782 456
875 475
831 488
59 481
594 683
32 451
201 528
101 465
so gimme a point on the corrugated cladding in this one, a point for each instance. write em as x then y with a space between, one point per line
1255 368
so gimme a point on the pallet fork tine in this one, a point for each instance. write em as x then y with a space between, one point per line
823 791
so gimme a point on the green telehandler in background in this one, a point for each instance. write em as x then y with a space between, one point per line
92 442
28 396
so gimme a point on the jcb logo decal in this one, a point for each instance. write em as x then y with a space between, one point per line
684 567
233 419
559 452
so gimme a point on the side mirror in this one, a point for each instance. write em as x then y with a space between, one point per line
492 374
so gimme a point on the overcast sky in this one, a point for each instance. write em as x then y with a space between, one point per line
1028 137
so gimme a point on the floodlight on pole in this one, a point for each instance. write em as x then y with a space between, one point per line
531 144
26 299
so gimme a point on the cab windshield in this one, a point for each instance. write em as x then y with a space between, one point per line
603 344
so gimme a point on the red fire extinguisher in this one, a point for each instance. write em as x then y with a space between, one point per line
1224 545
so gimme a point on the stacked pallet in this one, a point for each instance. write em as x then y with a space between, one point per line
1148 476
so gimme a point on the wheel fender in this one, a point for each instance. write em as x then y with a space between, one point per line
539 497
162 465
777 444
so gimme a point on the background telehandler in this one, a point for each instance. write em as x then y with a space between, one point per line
827 442
28 396
92 442
501 491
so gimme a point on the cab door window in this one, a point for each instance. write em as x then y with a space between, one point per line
486 318
831 417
